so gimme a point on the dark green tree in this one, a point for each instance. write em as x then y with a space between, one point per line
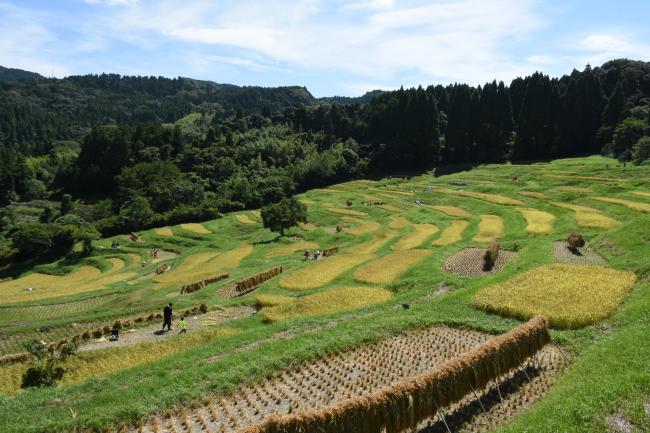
66 204
281 216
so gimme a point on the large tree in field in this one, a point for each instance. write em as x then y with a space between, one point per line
280 216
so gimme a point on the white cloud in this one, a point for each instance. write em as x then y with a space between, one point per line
598 48
369 5
112 2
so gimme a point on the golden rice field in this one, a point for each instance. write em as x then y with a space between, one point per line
308 227
306 201
329 190
634 205
452 233
379 240
398 223
576 177
534 194
163 231
44 286
451 211
641 193
589 217
393 192
415 238
203 265
329 301
195 228
387 269
288 249
570 296
244 219
100 362
489 228
350 212
576 189
537 222
492 198
361 226
389 207
321 271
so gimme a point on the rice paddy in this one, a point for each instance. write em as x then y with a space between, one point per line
589 217
398 223
490 227
293 248
350 212
195 228
163 231
245 219
379 241
451 234
534 194
641 193
451 211
389 208
420 233
538 222
388 268
492 198
635 205
361 226
570 296
321 271
307 226
329 301
575 189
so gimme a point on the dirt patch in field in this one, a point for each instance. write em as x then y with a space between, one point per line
619 424
152 332
469 262
581 256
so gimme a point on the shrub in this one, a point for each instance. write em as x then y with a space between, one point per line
46 369
491 255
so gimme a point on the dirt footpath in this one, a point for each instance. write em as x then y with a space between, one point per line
154 333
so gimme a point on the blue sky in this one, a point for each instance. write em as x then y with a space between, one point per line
336 47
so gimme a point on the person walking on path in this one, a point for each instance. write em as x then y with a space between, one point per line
182 326
167 317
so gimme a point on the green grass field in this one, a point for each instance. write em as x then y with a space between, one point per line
609 375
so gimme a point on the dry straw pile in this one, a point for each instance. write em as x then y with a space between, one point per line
415 238
538 222
453 233
589 217
571 296
249 284
321 272
388 268
195 228
404 404
634 205
329 301
490 227
198 285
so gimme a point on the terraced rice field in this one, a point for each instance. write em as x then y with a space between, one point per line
570 296
490 227
329 301
307 226
451 211
452 233
576 189
634 205
330 380
379 240
387 269
534 194
538 222
350 212
589 217
417 237
293 248
321 271
195 228
389 208
163 231
641 193
398 223
361 226
492 198
245 219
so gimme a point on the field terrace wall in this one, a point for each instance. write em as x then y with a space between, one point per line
406 403
249 284
197 285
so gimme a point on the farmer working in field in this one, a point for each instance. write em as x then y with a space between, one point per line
182 326
167 317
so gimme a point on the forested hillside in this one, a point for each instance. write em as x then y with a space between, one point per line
17 74
144 151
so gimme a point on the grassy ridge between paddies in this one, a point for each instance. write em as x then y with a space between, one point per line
490 227
328 301
538 222
388 268
44 286
101 362
589 217
570 296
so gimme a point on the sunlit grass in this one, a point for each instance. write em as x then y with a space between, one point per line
387 269
538 222
534 194
489 228
390 208
452 233
568 295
